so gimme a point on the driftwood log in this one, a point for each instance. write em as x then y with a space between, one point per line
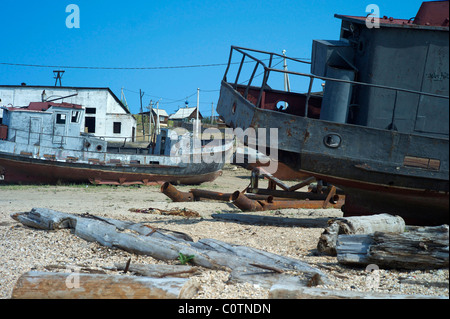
416 248
272 220
57 285
139 239
357 225
158 271
291 289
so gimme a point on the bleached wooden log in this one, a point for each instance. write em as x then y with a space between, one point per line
294 290
417 248
260 277
272 220
52 285
357 225
159 271
266 277
208 253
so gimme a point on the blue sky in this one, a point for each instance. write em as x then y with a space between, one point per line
163 33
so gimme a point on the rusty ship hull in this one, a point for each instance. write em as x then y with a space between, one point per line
381 184
379 126
26 170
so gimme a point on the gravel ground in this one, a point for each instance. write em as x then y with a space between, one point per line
23 249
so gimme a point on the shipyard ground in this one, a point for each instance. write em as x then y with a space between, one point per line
23 249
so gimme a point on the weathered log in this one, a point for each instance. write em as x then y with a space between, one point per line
52 285
158 271
417 248
209 253
357 225
292 289
272 220
255 276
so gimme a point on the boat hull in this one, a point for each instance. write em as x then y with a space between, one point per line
371 165
20 169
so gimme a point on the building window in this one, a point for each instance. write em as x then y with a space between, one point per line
75 117
91 110
60 118
117 128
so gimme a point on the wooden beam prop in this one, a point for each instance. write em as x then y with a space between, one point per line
417 248
357 225
58 285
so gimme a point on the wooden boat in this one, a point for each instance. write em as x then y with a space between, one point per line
42 143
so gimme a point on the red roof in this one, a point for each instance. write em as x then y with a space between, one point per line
44 106
430 14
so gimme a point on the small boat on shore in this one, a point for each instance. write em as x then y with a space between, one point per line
43 144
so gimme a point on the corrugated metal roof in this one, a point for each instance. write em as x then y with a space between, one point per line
71 88
160 112
182 113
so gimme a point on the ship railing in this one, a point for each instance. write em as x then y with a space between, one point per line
267 69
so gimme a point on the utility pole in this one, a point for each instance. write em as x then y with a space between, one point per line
141 94
150 108
212 113
198 104
58 75
287 86
158 130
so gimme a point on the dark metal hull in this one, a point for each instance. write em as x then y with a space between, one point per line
21 169
369 164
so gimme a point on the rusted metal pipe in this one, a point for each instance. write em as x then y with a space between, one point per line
201 193
307 204
244 203
175 195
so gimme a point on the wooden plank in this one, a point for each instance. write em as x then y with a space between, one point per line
413 161
57 285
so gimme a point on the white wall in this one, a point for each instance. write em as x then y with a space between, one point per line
108 109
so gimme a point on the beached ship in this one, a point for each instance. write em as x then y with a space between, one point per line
378 127
43 143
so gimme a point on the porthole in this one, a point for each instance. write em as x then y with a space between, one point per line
332 140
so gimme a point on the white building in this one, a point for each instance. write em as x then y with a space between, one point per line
105 115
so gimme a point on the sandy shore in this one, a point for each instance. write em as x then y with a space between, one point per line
23 249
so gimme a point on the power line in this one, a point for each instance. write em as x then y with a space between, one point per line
119 68
114 68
